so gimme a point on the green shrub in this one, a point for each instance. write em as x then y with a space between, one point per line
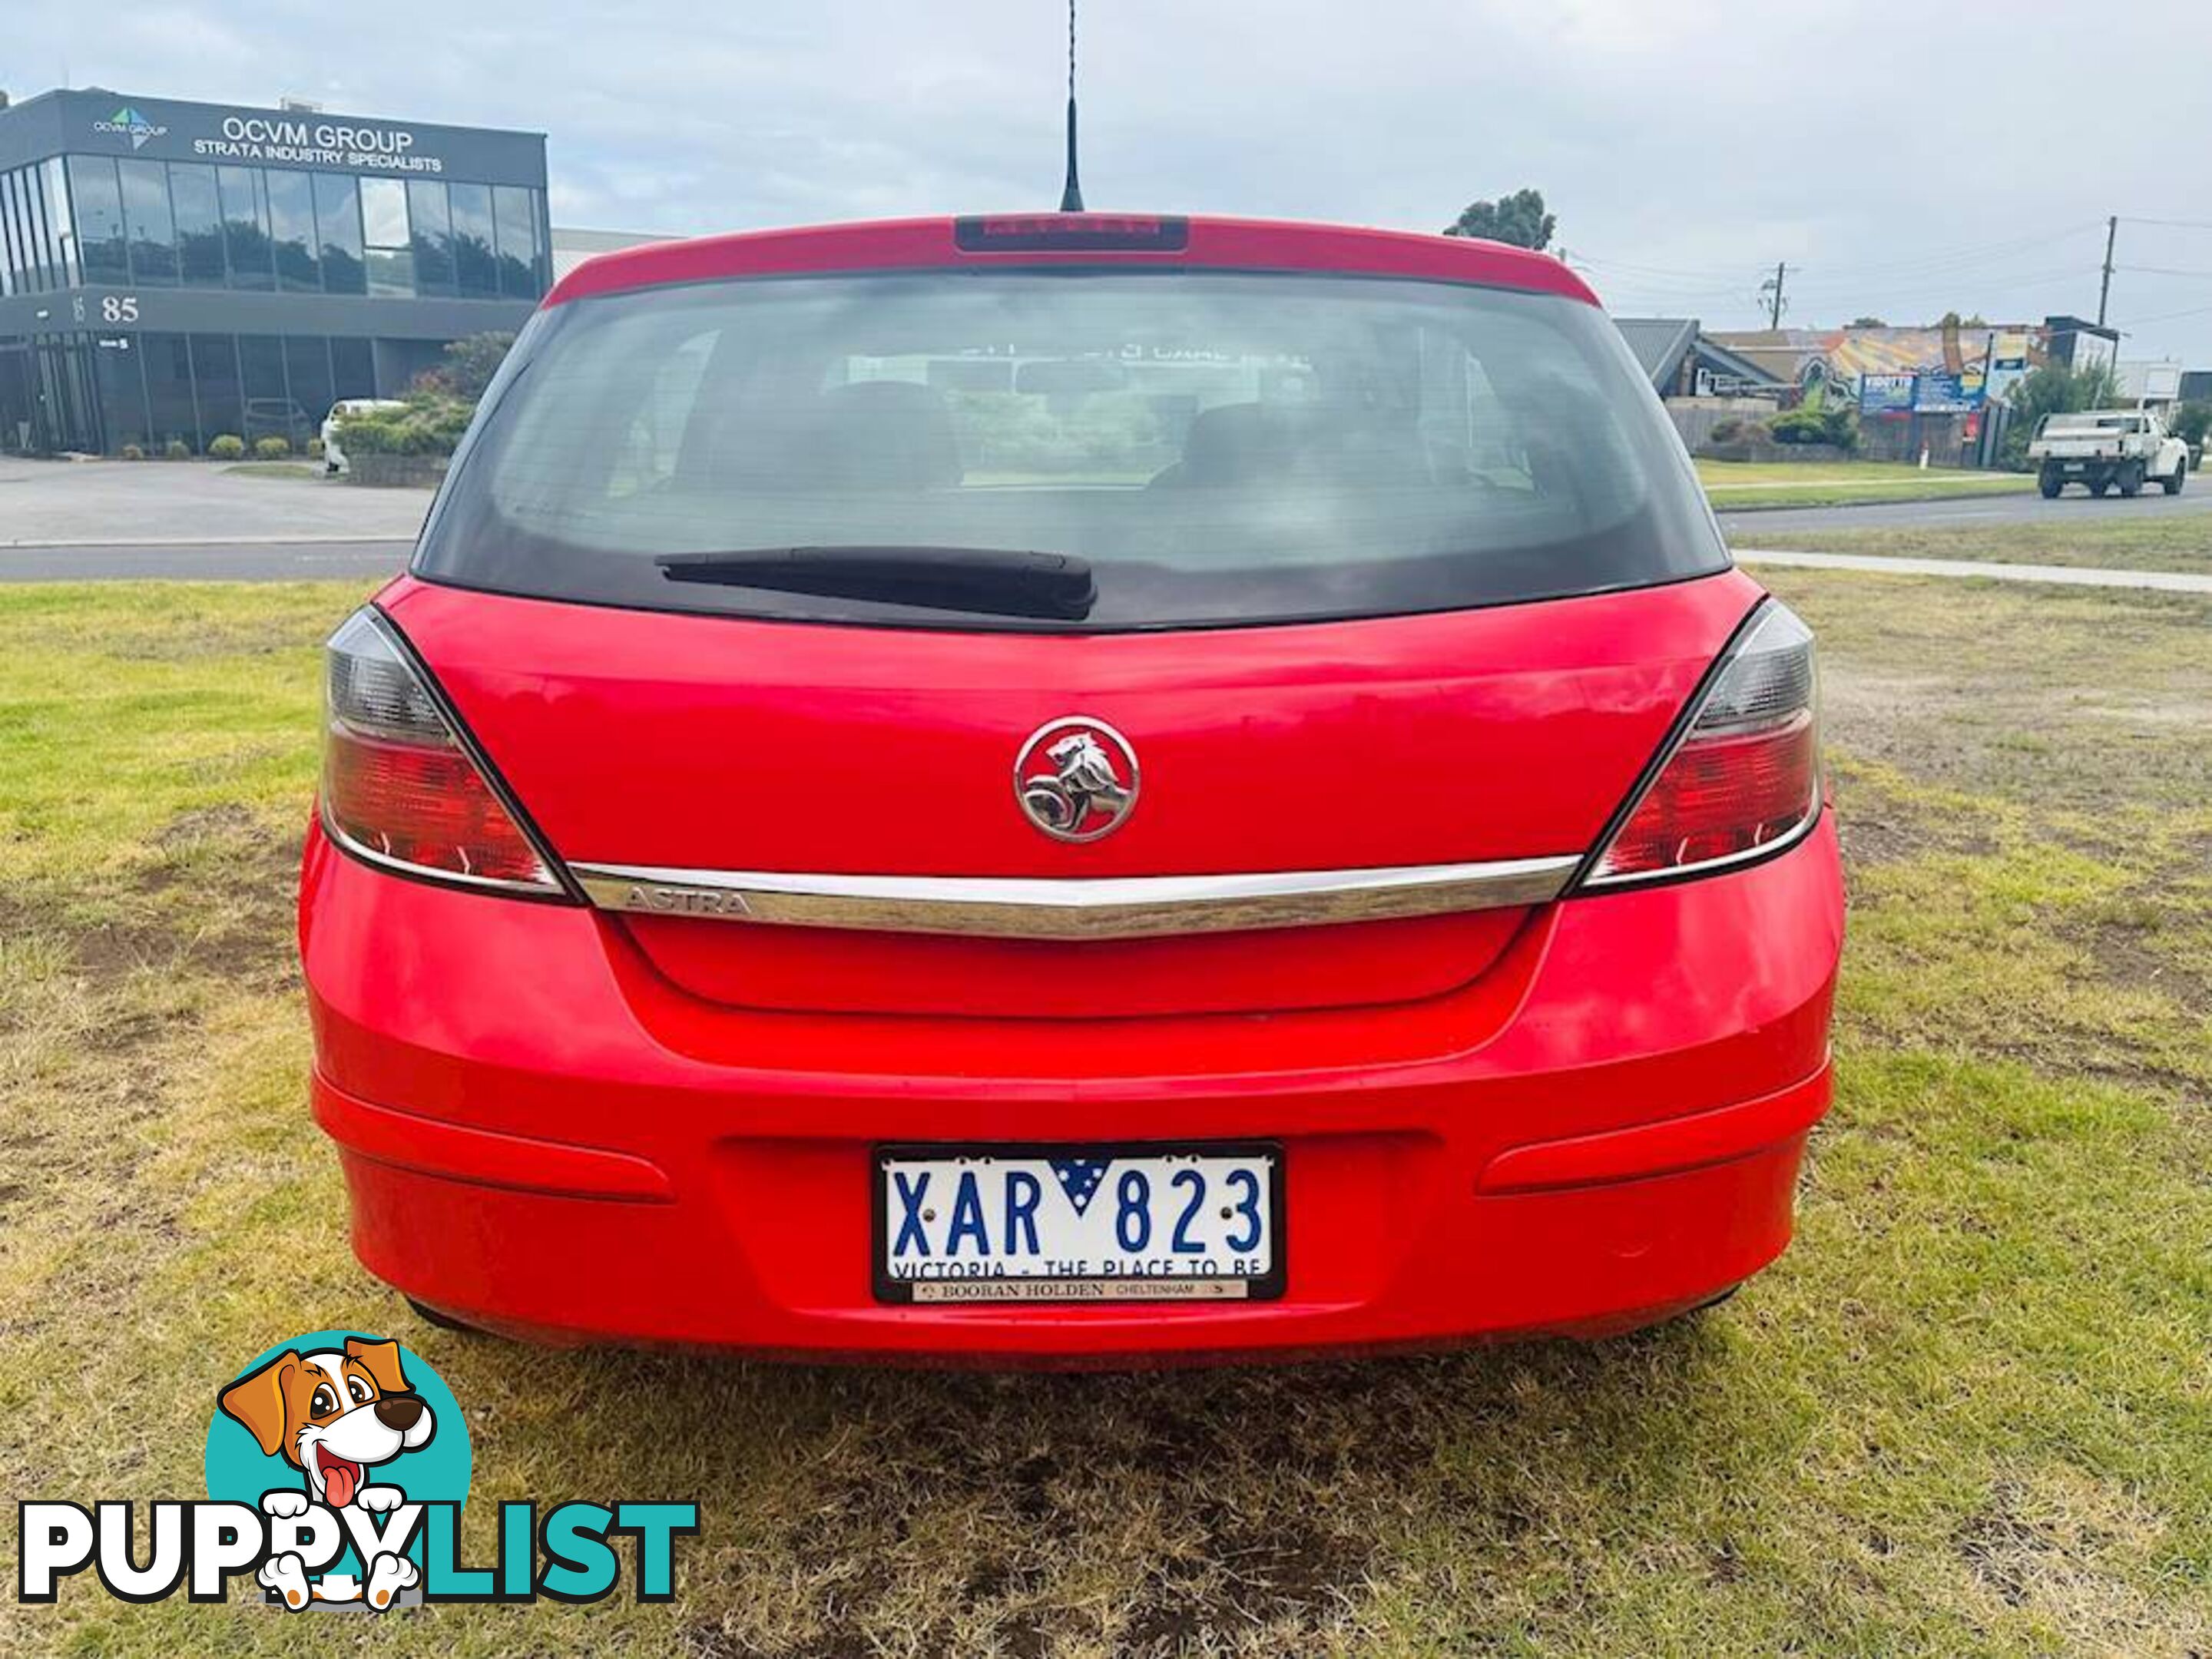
1736 430
431 423
132 453
177 450
273 449
315 449
1799 426
378 434
227 446
1816 425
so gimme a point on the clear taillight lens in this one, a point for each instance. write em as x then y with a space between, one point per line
399 788
1745 778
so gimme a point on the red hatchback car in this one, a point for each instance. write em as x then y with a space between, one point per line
1070 788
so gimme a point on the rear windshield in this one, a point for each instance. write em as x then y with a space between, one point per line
1220 449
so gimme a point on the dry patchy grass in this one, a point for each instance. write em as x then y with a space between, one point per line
2113 535
1970 1413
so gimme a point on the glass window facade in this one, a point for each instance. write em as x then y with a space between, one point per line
172 414
51 188
126 222
115 368
337 220
98 199
150 223
292 229
37 239
516 223
38 235
390 256
430 236
14 263
247 248
476 257
157 388
198 207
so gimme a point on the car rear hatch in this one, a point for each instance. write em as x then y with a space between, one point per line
693 747
1375 597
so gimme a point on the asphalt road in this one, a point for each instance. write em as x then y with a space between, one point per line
276 560
248 561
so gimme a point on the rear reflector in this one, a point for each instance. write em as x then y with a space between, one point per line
399 788
1744 779
1038 233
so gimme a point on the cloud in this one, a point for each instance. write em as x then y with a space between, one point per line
1898 156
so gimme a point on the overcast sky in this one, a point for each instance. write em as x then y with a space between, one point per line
1903 159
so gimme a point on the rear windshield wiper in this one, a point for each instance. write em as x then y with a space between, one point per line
993 581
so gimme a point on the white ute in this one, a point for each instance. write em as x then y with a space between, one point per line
2105 447
334 460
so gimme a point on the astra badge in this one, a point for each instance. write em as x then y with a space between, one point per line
1075 778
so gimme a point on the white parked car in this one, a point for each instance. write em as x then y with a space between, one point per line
2106 447
334 460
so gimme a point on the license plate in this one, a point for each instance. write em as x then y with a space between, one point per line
1139 1222
2077 466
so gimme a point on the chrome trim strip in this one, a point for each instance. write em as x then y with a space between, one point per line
1132 906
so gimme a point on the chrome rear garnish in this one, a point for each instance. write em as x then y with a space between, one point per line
1132 907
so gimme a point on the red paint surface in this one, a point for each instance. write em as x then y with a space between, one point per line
1239 244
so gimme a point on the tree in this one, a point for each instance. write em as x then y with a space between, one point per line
1518 219
1866 322
2192 422
469 365
2054 389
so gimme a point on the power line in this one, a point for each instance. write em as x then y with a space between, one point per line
1961 259
1934 263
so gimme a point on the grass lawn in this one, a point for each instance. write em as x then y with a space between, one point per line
312 470
1970 1413
2105 533
1735 485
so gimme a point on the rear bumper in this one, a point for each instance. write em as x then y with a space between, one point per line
541 1135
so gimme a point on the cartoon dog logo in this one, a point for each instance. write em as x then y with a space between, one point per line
334 1414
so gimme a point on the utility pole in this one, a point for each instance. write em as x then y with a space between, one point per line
1771 288
2105 288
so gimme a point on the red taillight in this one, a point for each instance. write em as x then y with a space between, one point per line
1745 779
399 789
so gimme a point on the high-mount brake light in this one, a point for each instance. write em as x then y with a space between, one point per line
400 788
1743 780
1057 233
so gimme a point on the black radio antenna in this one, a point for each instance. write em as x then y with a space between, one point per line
1070 194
